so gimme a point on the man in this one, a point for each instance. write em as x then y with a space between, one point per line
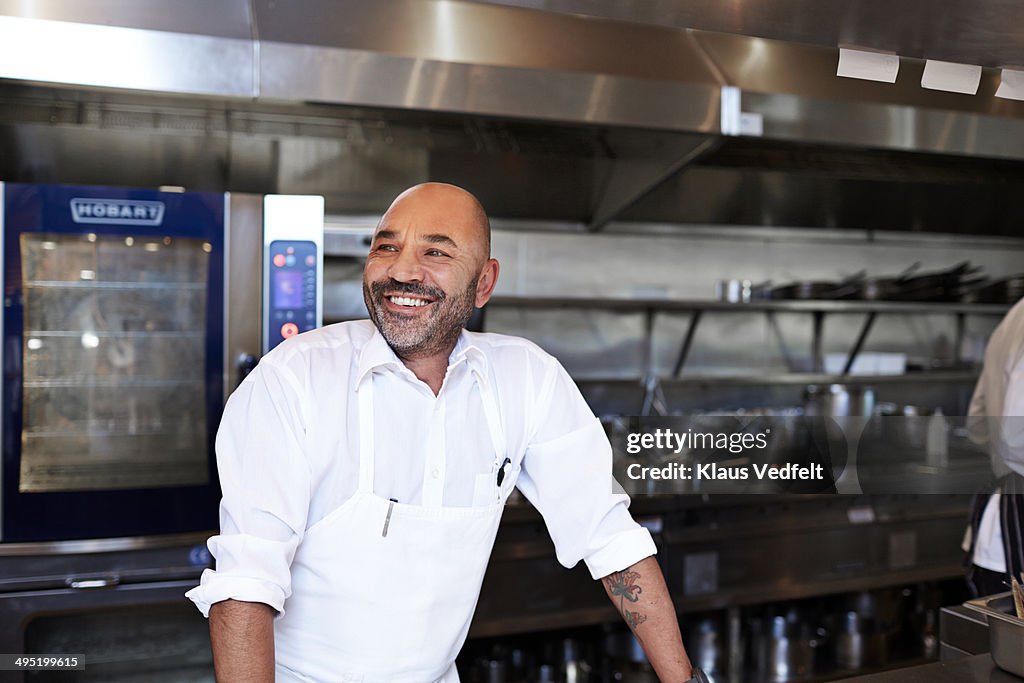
365 466
995 538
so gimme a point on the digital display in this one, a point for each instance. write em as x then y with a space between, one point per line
287 288
292 289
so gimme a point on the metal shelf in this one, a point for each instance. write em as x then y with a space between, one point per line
817 308
111 382
116 334
92 284
797 378
97 431
804 306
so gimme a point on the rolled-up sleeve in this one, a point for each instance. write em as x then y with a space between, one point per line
265 479
567 475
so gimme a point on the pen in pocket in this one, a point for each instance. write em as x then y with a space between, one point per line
502 470
387 518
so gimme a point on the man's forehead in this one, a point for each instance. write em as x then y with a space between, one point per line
435 211
385 231
430 228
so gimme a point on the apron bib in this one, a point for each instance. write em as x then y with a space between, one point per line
383 592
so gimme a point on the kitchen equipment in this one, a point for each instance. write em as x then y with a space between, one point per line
937 440
293 235
1006 632
850 643
942 285
575 669
705 647
546 674
785 650
125 311
839 400
113 357
875 288
742 291
815 289
860 642
495 671
1007 290
129 316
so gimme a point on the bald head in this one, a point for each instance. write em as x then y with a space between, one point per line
429 265
449 209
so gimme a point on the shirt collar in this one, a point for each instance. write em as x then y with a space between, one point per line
376 354
467 348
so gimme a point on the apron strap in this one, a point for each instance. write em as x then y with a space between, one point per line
1011 522
365 436
491 414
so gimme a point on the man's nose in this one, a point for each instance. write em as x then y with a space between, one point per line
406 267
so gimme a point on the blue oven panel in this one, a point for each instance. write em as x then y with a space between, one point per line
113 361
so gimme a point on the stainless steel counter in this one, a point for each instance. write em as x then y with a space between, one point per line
976 669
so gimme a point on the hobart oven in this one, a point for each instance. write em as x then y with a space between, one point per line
129 315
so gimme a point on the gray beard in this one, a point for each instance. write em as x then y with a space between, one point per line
407 335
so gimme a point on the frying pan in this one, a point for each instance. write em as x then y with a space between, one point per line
1005 291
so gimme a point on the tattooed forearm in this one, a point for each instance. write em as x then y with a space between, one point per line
640 595
624 586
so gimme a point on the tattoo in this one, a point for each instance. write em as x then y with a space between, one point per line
624 586
633 619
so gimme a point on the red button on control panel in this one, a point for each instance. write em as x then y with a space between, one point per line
289 330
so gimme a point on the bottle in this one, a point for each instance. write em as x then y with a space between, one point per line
937 440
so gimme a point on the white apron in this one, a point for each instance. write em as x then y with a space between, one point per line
383 592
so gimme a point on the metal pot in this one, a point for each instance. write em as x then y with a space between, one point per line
1005 291
860 643
786 652
742 291
705 647
839 400
811 289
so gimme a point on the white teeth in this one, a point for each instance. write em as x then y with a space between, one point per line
406 301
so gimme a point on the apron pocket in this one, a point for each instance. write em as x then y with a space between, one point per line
485 490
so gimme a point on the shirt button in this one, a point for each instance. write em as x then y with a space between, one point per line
435 473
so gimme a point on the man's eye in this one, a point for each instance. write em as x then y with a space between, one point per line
386 247
436 252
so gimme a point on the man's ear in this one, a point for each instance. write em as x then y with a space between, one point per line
486 282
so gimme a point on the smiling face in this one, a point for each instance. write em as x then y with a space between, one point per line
427 268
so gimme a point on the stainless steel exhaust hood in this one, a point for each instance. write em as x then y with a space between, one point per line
493 59
611 118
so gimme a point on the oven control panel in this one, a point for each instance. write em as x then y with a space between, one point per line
293 229
293 290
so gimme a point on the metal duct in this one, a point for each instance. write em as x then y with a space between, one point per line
479 58
191 46
546 113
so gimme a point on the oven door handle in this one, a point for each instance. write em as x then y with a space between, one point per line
95 582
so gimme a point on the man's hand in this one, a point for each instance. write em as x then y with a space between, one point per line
640 595
242 637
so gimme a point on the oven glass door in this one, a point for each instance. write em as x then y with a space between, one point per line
112 361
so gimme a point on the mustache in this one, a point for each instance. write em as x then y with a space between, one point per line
379 287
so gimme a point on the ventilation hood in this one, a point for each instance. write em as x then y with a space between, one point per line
669 114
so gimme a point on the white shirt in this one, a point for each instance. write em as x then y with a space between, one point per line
999 395
288 452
